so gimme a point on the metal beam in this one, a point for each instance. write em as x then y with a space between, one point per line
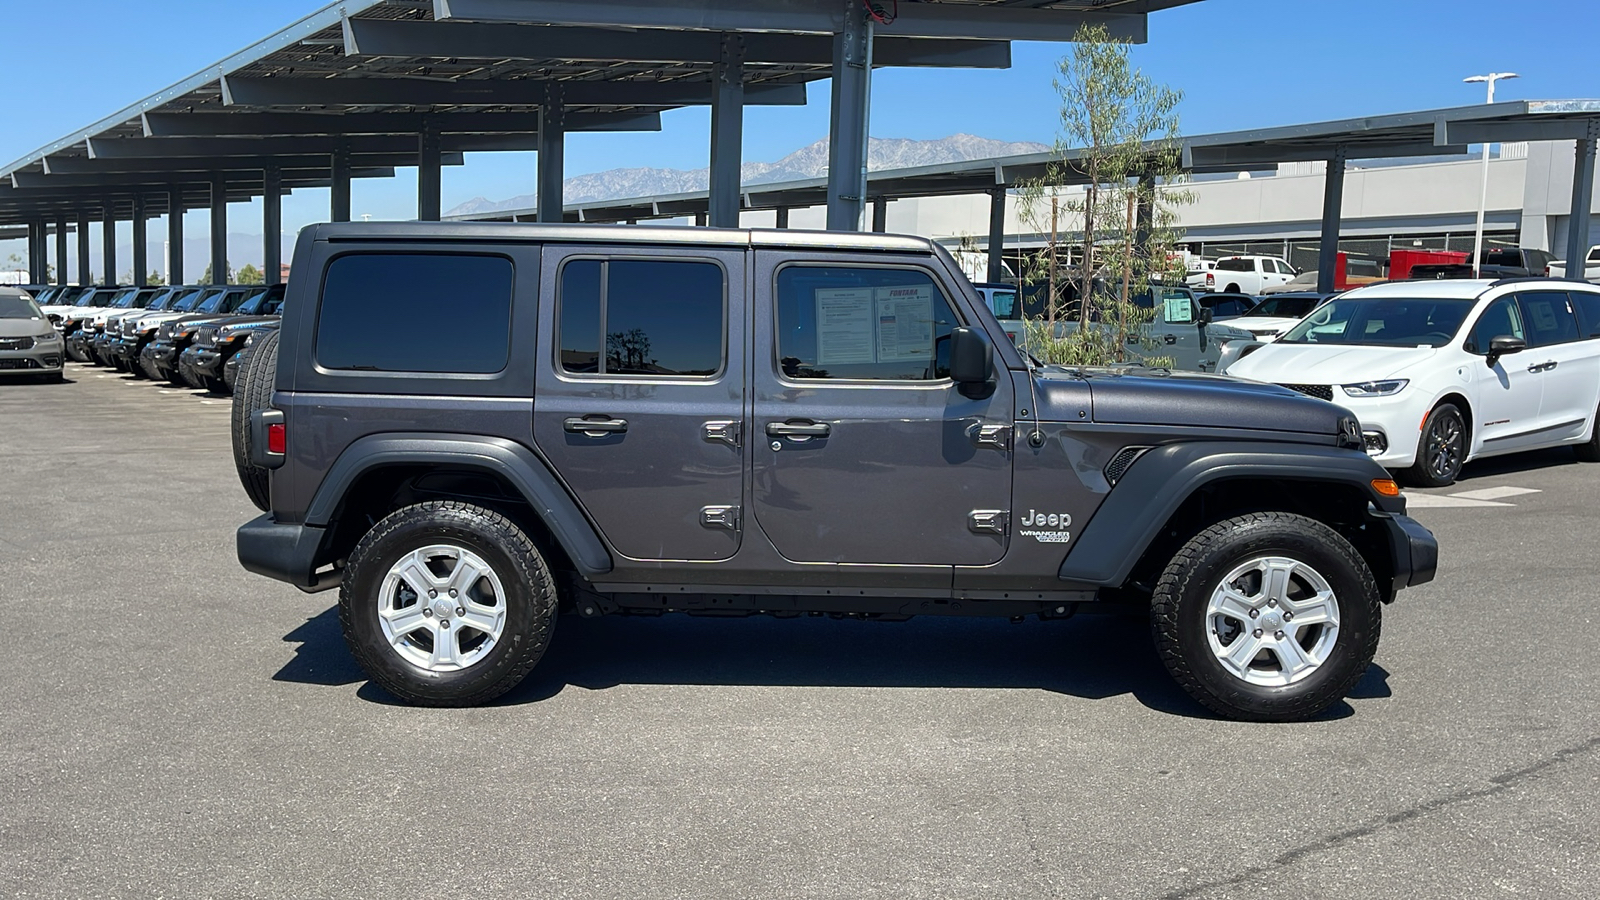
36 266
272 224
880 215
256 124
848 127
219 147
141 242
339 210
175 235
552 155
480 40
1446 132
429 184
1332 214
922 20
997 235
131 183
484 92
1582 201
219 231
84 275
108 245
1232 157
162 170
727 133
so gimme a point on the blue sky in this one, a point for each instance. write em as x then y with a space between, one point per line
1241 63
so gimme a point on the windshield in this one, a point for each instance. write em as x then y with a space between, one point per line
212 301
235 299
124 299
1386 322
190 301
18 308
262 304
1283 308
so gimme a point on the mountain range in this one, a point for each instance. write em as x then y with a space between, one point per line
807 162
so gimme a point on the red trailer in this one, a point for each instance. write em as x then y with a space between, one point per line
1401 261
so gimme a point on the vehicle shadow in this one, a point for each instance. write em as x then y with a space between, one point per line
1531 461
1093 657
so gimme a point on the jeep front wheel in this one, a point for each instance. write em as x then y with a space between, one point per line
1269 617
447 604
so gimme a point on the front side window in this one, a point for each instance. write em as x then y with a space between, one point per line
1501 319
836 322
1549 318
664 318
423 312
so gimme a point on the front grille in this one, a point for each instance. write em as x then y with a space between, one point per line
1320 391
205 337
16 343
18 364
1119 464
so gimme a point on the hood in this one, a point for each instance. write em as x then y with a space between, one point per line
1184 399
1282 363
25 328
1274 324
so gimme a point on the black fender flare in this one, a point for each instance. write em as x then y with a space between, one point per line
1145 498
517 464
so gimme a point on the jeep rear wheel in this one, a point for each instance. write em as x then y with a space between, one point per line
1269 617
447 604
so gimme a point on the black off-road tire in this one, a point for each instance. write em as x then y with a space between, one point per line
1589 451
530 598
1180 626
1424 472
252 392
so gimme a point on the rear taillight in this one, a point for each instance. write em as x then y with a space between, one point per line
277 439
1210 278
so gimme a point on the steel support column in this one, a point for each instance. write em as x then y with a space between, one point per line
61 249
272 224
430 152
219 230
1332 213
108 245
141 237
36 243
727 133
552 155
847 130
1582 201
1145 217
783 217
880 215
175 235
85 276
997 235
340 205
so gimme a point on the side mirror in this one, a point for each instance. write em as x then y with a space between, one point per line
1206 316
971 359
1504 345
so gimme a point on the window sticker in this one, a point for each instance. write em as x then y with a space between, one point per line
1544 316
844 326
1179 308
905 323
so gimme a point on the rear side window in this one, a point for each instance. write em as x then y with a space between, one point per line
1549 318
1587 306
1236 265
430 313
664 318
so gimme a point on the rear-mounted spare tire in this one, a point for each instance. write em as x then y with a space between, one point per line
252 392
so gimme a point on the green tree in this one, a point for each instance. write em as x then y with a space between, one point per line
205 277
1119 141
155 279
251 275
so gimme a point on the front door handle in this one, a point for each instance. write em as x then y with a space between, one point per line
1170 338
798 429
595 427
1543 367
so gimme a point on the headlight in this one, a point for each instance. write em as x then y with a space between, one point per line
1376 388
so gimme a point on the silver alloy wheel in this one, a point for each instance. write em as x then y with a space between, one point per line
442 608
1272 621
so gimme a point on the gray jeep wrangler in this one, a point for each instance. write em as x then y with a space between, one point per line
468 428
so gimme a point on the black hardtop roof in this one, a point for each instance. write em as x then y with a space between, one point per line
620 234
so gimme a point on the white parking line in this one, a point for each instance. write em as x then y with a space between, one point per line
1481 498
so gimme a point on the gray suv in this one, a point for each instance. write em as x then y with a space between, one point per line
468 428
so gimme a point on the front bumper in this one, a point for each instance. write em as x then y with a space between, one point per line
43 357
1413 548
286 553
204 360
1397 419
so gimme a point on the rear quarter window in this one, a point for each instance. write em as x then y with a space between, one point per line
436 313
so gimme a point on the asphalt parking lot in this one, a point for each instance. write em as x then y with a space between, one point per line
172 726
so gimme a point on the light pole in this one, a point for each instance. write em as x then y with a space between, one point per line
1483 191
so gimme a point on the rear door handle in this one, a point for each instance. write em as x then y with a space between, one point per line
798 429
595 427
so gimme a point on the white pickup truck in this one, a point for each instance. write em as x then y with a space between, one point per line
1248 274
1557 268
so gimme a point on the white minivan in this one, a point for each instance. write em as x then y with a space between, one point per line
1442 372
